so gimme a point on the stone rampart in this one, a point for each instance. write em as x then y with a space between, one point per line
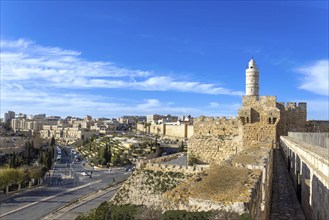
145 187
317 139
215 139
259 133
308 166
244 187
175 168
157 164
317 126
176 131
261 192
293 117
170 131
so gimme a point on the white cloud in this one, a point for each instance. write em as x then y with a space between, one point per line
37 79
213 105
315 77
32 101
26 62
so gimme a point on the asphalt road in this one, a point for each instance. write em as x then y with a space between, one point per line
91 201
59 189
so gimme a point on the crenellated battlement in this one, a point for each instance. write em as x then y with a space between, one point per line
224 119
292 106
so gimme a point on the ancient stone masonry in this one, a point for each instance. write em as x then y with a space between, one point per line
308 166
145 187
215 139
259 120
235 161
317 126
293 117
170 131
243 185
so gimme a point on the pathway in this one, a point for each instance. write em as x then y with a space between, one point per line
285 204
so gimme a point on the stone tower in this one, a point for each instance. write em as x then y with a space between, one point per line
252 79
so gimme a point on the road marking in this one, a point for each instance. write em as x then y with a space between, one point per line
50 197
81 201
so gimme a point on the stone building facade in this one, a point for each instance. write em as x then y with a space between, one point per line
239 151
261 121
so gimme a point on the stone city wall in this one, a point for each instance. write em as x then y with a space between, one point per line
145 187
317 139
259 133
293 117
141 127
157 129
221 189
308 166
260 119
157 164
215 139
175 168
170 131
317 126
176 131
260 158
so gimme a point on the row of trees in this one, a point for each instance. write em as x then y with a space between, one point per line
43 155
107 153
11 176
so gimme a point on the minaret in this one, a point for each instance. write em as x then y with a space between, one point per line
252 79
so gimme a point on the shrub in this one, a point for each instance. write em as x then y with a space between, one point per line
192 159
185 215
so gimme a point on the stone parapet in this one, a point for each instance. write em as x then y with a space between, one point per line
308 166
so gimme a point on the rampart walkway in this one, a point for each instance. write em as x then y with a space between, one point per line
285 203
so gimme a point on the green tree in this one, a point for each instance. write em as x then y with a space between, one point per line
9 176
53 141
45 158
14 161
107 153
116 159
192 159
181 147
28 151
18 176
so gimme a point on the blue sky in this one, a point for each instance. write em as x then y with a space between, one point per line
113 58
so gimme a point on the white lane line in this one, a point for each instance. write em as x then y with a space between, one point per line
67 208
50 197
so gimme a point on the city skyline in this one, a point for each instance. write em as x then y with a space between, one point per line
108 59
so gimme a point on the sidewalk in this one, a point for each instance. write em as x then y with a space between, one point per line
4 197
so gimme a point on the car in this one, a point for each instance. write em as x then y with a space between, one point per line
84 174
